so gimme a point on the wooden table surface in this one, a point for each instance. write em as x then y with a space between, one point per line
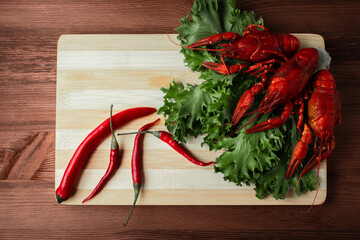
29 31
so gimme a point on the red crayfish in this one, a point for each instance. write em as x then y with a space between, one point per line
285 85
253 46
290 86
323 112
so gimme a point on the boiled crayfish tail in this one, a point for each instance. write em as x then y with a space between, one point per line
273 122
214 39
300 151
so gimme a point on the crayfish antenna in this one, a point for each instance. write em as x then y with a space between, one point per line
256 116
317 181
193 48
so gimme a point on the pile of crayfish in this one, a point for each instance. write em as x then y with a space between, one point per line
289 80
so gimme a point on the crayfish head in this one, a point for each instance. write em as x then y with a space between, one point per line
244 48
271 100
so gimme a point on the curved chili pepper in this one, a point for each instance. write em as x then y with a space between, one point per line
136 164
167 138
90 143
113 164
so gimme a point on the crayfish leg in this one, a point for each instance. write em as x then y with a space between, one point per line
301 117
264 67
273 122
252 27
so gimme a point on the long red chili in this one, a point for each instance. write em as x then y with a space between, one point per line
167 138
136 164
89 144
113 164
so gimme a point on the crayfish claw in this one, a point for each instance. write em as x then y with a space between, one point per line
216 67
245 103
324 154
238 114
297 157
214 39
223 69
300 151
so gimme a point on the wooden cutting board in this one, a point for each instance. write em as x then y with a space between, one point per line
94 71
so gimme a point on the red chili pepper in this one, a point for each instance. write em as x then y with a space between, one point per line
167 137
113 164
136 164
89 144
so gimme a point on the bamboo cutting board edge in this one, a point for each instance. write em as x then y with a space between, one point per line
77 43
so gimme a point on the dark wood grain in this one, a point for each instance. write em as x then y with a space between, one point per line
29 31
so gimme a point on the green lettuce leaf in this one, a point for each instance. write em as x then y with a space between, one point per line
204 22
208 17
248 154
239 20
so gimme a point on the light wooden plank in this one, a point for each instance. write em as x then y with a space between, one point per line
120 60
102 99
88 119
152 159
191 197
192 178
110 42
310 40
78 79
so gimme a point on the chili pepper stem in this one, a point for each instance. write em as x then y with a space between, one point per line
155 133
137 187
114 143
59 199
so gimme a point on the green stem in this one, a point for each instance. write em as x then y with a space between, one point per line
59 199
155 133
128 133
137 187
114 143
